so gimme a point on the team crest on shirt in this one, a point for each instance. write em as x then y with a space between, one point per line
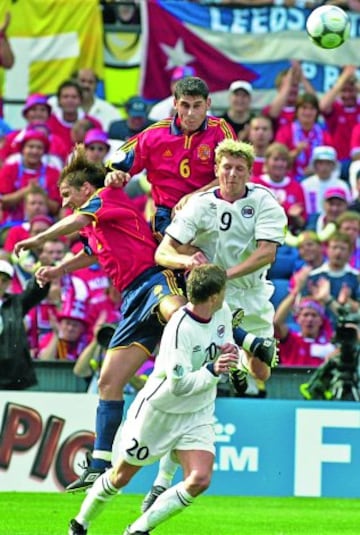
247 211
221 331
204 152
238 317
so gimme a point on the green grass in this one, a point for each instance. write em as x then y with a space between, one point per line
43 514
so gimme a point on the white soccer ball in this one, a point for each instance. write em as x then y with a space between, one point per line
328 26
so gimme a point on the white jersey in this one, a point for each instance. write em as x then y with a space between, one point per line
227 232
315 188
181 382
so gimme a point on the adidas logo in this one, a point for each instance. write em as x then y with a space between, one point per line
168 154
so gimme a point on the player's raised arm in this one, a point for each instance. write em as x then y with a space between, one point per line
66 226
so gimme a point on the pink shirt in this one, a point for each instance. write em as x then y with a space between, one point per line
15 176
291 134
287 192
340 123
298 351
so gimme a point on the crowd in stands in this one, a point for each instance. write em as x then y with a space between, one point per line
307 151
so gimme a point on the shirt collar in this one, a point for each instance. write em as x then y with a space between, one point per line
176 128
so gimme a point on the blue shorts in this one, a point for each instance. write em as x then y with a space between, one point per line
160 221
140 321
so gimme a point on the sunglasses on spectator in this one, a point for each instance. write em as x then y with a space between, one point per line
102 148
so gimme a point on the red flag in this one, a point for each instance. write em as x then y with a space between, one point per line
170 44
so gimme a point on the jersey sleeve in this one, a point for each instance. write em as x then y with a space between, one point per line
183 227
271 224
92 207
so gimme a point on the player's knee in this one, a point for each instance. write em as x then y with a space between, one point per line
110 385
198 482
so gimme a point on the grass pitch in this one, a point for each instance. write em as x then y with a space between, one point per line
43 514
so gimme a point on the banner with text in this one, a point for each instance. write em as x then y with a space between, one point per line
263 448
225 44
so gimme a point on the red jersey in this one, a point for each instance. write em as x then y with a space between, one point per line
176 164
119 236
340 122
12 146
287 116
258 166
62 128
287 192
99 301
15 176
16 234
295 350
292 134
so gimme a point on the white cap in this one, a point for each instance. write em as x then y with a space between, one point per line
6 268
241 84
324 152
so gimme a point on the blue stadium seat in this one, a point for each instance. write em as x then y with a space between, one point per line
284 265
281 291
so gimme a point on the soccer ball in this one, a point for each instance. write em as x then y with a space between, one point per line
328 26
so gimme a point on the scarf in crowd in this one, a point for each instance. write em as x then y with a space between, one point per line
313 137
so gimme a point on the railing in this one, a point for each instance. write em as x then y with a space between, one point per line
58 376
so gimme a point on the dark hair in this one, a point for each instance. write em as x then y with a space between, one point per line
308 98
205 281
191 86
69 83
80 170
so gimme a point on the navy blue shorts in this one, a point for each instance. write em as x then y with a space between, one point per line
160 221
140 321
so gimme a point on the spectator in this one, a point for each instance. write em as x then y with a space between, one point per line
7 58
96 145
335 203
36 113
137 120
239 113
260 135
26 264
79 130
303 135
35 203
93 106
310 249
324 161
61 121
17 179
340 108
287 191
343 278
311 344
349 223
165 108
282 109
16 368
69 334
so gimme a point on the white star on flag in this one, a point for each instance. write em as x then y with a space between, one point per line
177 55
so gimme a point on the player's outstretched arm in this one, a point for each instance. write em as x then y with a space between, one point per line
66 226
171 254
46 274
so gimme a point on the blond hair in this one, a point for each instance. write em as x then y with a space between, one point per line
237 149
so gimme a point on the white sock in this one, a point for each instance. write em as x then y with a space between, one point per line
96 499
168 504
167 469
